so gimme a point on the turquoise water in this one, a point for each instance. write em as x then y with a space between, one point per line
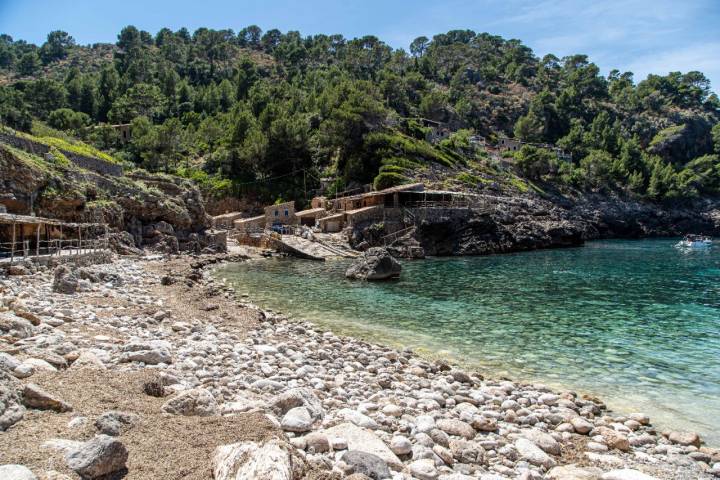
635 322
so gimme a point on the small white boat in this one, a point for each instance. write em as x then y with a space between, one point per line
695 241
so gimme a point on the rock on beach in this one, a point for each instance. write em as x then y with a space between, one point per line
374 264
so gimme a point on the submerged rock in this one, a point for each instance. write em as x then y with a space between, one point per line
374 264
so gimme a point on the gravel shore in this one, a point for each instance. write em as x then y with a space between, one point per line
149 368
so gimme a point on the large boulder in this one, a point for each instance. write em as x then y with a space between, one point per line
533 454
113 423
98 457
626 474
374 264
543 440
15 326
685 438
65 281
297 420
297 397
16 472
272 460
367 464
364 440
123 243
36 397
151 352
572 472
11 409
195 402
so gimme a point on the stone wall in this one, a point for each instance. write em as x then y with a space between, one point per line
100 166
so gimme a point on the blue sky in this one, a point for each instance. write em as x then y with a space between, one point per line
642 36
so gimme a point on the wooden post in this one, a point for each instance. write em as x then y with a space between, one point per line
22 241
59 250
37 241
12 245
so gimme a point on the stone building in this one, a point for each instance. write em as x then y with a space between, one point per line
511 144
283 214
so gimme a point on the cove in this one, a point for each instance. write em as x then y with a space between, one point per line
636 323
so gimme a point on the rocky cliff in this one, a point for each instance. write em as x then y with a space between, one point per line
153 208
517 223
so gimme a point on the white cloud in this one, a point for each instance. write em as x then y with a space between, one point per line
704 57
643 36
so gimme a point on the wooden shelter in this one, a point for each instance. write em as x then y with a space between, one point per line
24 236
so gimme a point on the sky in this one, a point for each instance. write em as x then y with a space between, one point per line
641 36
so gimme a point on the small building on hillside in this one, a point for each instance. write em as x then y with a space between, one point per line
332 223
124 131
250 225
477 140
282 213
388 197
511 144
311 216
438 130
226 220
319 202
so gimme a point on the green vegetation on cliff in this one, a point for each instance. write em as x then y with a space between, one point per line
272 112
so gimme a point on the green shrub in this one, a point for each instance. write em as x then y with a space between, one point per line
470 179
392 169
389 179
534 162
68 120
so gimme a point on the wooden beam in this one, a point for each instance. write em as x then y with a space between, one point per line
12 245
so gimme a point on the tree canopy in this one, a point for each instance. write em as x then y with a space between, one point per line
252 107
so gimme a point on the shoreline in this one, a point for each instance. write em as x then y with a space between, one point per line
389 338
424 419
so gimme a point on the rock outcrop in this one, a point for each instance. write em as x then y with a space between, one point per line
374 264
155 209
529 222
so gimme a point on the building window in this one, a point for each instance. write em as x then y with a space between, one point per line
287 213
277 213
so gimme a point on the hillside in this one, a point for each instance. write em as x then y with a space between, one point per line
269 114
155 209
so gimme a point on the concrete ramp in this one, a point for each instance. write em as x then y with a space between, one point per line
303 248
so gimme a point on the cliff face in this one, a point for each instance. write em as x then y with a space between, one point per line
516 223
148 206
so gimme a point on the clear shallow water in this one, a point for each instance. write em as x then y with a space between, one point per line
635 322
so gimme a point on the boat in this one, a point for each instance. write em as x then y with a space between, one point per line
695 241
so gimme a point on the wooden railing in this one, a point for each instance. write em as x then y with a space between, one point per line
54 247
